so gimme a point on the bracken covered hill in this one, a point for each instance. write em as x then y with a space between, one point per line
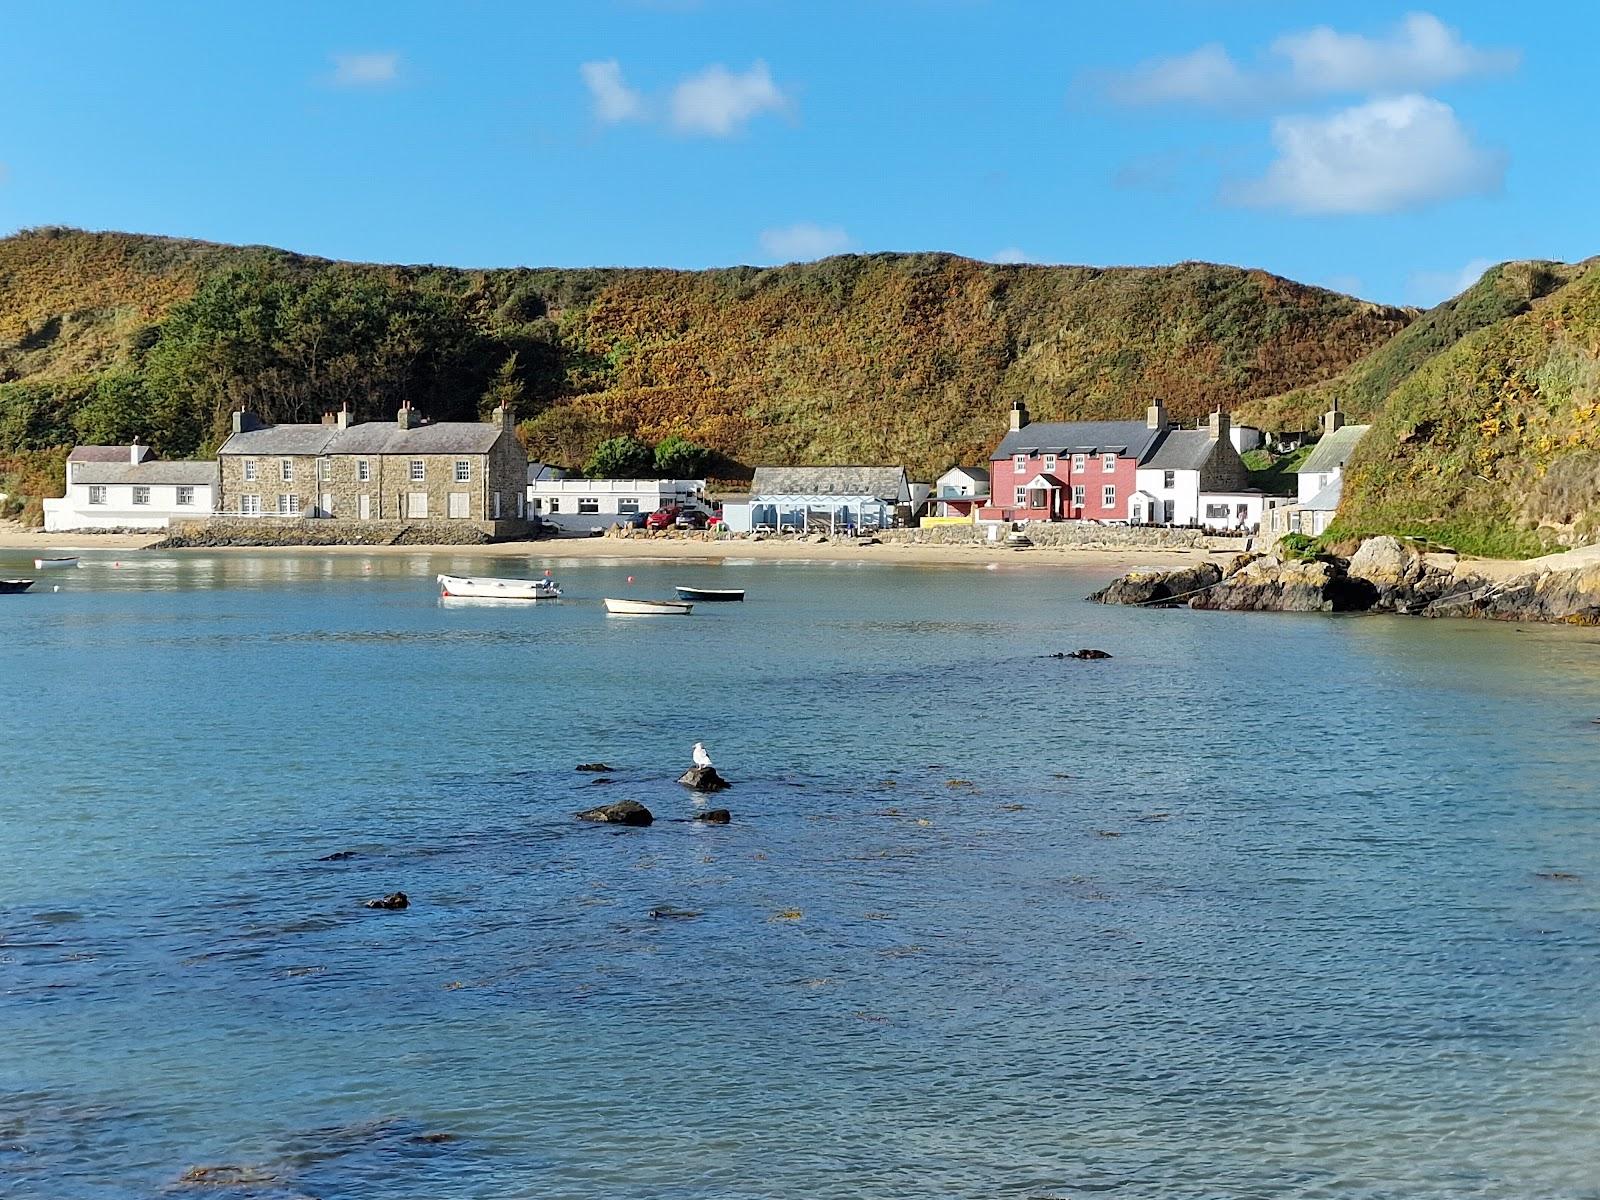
909 359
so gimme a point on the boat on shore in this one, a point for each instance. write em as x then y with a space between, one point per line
648 608
8 586
488 588
51 564
710 595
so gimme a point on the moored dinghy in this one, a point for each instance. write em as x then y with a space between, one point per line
709 595
49 564
648 608
8 586
488 588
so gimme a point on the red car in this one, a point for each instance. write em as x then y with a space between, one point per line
662 518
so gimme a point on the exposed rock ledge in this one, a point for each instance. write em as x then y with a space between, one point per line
1385 575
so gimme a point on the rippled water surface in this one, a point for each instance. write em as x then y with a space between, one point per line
1262 906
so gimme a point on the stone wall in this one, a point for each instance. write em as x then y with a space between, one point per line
228 531
1071 535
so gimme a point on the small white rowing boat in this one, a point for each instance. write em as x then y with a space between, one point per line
709 595
648 608
485 588
46 564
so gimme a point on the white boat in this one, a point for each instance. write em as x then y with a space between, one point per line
46 564
486 588
709 595
648 608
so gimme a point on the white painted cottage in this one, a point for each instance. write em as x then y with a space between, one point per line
127 487
586 505
1195 477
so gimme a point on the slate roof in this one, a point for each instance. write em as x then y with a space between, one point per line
1132 438
154 470
1182 450
1333 451
976 474
105 454
1327 500
885 483
369 437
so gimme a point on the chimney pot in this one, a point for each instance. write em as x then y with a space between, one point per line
404 418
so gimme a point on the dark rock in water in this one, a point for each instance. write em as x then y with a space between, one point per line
229 1176
338 856
596 768
393 900
624 812
666 912
1083 654
703 779
1159 587
602 780
714 816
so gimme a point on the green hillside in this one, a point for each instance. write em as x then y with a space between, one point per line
910 359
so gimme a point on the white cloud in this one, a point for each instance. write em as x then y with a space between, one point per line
614 100
717 102
803 242
1433 287
1420 52
1011 254
366 70
1384 156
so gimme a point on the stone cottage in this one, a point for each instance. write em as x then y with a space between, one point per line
406 471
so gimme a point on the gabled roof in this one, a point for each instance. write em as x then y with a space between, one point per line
155 470
1045 481
1181 450
976 474
1327 500
106 454
1130 438
1333 451
281 439
369 437
884 483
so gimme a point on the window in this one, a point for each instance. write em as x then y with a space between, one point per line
249 506
141 495
1214 511
1049 463
496 506
416 470
463 470
1077 463
417 505
459 505
97 495
185 495
363 471
322 470
1108 462
536 505
627 504
1079 494
1022 496
1108 496
249 470
1019 463
286 469
1169 479
288 504
588 504
555 504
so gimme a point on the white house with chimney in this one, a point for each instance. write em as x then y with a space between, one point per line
127 487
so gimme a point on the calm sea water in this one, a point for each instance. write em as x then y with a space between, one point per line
1263 906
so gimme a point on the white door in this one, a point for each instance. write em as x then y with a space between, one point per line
364 507
458 506
325 504
417 505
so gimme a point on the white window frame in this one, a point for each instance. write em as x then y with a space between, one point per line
141 496
627 504
1078 463
1169 480
1080 495
496 509
588 506
1108 496
185 496
416 501
363 471
1108 463
1019 463
288 504
1022 495
322 470
97 493
417 471
249 470
463 470
250 505
286 469
459 506
1218 512
555 504
1049 464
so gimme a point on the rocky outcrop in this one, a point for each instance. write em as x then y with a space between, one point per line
624 812
598 768
714 816
1384 575
1086 655
703 779
393 901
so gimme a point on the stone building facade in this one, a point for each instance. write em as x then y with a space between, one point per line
408 470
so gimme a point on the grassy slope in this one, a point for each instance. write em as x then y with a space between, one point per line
898 358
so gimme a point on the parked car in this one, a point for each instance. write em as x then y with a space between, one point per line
690 518
662 518
633 520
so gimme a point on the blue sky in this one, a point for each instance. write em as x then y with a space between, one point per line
1388 150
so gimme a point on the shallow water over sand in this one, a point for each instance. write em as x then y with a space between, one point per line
1262 906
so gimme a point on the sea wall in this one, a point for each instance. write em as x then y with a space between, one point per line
1074 535
226 531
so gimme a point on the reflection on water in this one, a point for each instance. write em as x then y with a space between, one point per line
1261 906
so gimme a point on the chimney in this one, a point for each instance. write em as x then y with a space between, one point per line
1155 417
1019 415
135 453
342 418
405 418
328 418
1219 425
244 422
1331 420
508 418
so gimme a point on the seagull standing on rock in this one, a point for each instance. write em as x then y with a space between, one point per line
701 758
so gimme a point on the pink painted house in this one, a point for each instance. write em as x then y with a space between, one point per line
1069 470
